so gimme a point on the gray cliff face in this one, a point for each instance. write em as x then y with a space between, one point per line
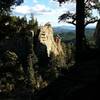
46 38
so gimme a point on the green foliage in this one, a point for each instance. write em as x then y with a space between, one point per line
10 72
5 26
20 67
11 25
89 16
41 70
10 56
5 6
16 36
33 24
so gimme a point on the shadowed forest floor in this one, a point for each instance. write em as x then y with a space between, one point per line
80 82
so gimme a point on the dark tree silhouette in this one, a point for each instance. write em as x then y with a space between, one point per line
80 37
5 6
89 16
80 26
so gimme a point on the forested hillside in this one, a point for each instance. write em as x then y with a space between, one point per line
68 33
41 62
25 64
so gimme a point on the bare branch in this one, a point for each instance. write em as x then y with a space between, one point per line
90 21
69 17
70 21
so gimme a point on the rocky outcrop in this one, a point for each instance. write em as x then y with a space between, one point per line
52 43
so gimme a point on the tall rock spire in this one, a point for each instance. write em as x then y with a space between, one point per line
46 37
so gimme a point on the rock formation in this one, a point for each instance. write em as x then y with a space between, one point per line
46 38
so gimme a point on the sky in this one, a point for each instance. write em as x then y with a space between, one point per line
44 10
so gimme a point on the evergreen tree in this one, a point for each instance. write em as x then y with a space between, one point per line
5 6
89 6
80 25
33 24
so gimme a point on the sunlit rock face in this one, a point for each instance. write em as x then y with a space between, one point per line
97 34
46 37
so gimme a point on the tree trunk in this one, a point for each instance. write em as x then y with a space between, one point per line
80 36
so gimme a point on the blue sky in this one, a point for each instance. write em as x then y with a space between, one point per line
44 10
